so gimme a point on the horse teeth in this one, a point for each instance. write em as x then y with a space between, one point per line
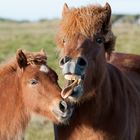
67 77
72 77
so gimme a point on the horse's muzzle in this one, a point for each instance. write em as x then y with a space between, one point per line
63 111
73 66
73 70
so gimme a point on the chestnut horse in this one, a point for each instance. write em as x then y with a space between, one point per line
28 84
108 96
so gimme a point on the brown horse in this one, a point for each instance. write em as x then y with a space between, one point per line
28 84
108 97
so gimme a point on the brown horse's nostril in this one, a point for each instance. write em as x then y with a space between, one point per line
64 60
63 106
81 62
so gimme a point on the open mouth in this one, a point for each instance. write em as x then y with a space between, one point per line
74 86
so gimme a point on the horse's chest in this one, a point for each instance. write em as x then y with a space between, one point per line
80 132
87 133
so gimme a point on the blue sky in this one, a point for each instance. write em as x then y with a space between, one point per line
38 9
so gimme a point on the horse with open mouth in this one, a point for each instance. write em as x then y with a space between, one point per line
107 97
28 84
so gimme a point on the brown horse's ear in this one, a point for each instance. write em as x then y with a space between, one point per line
107 11
65 9
21 59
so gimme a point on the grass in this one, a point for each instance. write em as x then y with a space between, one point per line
127 38
39 129
31 37
34 36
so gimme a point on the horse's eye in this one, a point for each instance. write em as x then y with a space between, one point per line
33 82
64 41
100 40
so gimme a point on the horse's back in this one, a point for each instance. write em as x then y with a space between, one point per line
126 62
130 65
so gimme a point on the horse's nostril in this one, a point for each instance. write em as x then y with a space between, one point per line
81 62
63 106
64 60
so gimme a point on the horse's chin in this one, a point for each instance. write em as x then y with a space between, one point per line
74 89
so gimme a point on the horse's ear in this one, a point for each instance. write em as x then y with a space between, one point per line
21 59
42 51
65 9
107 11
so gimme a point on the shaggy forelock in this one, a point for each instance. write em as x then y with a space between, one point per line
86 20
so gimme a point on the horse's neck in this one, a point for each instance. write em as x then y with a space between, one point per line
112 90
13 115
116 100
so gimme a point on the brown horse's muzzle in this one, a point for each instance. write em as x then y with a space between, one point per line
63 111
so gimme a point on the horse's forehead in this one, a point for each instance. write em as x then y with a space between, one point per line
84 23
44 68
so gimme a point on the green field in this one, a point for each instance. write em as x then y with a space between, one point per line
34 36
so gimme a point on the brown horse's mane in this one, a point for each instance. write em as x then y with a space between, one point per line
88 21
32 58
82 19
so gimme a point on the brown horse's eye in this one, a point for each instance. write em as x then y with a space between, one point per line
64 41
33 82
100 40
